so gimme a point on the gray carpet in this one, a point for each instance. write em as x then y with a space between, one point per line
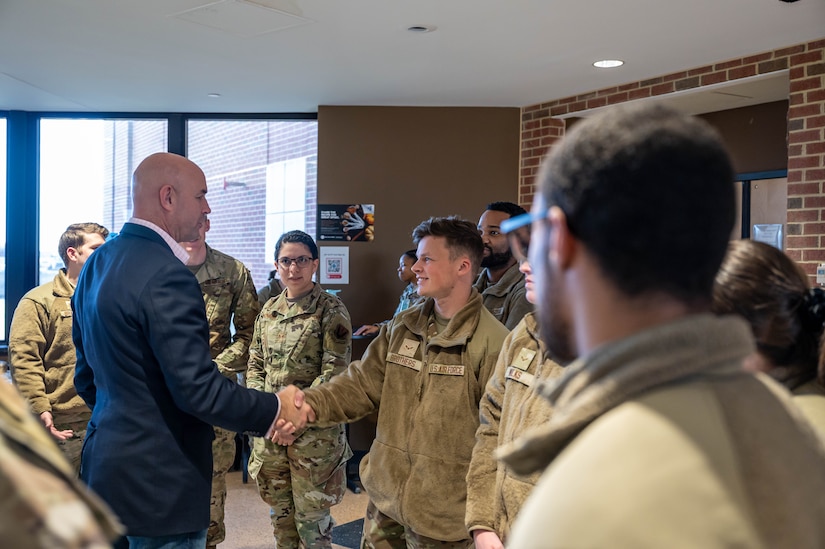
348 535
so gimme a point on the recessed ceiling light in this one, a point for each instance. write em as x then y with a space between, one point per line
421 28
608 63
213 95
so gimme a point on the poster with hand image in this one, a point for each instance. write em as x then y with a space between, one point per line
346 222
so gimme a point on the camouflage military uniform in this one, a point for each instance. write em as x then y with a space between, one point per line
229 296
507 298
42 358
272 289
302 342
510 407
42 505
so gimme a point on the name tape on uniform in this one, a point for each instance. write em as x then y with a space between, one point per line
406 361
519 375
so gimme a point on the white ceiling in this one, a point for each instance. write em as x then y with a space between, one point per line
294 55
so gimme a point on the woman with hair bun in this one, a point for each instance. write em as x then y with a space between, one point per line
768 289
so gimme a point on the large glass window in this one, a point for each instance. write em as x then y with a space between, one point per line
85 175
262 180
3 229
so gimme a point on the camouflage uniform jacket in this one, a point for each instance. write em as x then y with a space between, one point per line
229 296
44 506
302 342
507 298
426 387
510 407
272 289
42 353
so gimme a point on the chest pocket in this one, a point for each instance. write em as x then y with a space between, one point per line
217 297
294 347
60 320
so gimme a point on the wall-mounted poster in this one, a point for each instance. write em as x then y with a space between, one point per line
334 265
769 233
348 222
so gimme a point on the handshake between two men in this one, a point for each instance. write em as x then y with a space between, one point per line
293 416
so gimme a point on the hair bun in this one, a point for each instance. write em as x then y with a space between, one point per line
815 307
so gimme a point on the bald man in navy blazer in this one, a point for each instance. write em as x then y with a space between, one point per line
145 369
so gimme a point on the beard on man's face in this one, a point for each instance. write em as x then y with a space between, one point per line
496 259
555 329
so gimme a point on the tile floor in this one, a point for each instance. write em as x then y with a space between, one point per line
247 516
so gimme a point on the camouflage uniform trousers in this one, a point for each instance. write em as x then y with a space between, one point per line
300 483
72 447
223 456
382 532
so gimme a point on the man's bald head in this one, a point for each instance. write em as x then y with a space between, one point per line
169 190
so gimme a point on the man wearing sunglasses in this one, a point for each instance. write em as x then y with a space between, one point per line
658 436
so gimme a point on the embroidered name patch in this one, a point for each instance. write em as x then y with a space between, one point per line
408 362
447 370
524 358
519 375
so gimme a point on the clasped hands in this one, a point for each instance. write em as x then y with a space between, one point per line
292 417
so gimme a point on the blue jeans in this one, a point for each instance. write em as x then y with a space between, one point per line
192 540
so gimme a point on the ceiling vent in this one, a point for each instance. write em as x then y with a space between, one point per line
244 17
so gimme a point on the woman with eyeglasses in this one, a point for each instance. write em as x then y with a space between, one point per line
302 337
510 406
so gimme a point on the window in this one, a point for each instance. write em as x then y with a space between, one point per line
67 168
3 229
85 175
262 177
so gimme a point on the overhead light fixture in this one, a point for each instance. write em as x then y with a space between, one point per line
213 95
608 63
421 28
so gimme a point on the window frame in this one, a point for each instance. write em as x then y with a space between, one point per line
23 188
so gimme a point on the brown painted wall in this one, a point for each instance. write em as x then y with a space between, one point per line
412 163
756 137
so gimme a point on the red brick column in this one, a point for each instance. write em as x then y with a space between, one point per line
806 131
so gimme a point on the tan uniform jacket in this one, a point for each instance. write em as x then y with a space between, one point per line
42 353
661 439
507 298
229 296
510 406
42 505
426 388
810 397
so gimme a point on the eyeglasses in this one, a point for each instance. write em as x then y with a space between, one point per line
518 230
301 262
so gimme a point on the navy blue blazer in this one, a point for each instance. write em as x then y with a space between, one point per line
145 370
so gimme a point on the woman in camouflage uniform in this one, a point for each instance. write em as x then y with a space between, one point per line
302 337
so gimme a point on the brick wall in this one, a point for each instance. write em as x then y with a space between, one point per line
806 131
235 151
